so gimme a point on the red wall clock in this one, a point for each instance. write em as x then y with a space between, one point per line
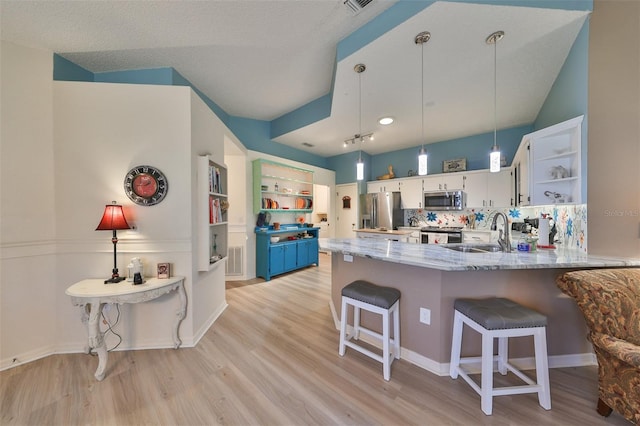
145 185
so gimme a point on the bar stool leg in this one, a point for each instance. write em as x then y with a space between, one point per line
503 354
356 323
386 361
396 330
542 368
486 395
456 343
343 326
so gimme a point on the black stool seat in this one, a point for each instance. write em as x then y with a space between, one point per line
498 313
364 291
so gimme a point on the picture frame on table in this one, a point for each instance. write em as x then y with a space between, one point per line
164 270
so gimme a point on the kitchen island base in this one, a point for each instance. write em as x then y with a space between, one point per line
429 346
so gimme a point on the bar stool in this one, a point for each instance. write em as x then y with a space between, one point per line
380 300
500 318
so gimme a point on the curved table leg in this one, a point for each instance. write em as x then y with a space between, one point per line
96 337
180 314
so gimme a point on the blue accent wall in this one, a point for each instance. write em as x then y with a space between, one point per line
64 69
569 97
474 148
158 76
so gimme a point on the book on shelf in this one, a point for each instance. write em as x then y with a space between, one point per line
215 183
215 210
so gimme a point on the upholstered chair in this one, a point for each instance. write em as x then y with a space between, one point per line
610 302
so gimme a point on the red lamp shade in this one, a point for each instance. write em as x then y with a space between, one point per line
113 218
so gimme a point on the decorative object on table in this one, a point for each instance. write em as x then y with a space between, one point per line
146 185
137 278
274 239
276 225
300 219
134 266
112 220
558 172
164 270
456 165
389 175
224 205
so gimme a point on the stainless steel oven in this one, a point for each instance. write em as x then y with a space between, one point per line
435 235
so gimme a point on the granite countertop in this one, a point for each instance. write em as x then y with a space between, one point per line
388 231
439 257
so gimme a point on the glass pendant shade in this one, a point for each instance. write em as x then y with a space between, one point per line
494 159
422 162
360 170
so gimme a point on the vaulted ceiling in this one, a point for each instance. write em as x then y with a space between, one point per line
264 59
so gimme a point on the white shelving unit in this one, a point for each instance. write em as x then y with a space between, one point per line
212 215
281 188
555 163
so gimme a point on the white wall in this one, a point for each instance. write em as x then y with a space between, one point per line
28 293
66 148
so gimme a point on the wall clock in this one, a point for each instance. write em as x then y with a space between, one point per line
145 185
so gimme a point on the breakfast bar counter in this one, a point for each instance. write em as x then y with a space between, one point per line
433 276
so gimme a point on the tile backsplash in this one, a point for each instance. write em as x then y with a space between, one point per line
570 220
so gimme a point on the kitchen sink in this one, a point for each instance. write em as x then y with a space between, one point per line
474 248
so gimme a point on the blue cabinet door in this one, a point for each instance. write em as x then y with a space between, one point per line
290 256
276 259
303 253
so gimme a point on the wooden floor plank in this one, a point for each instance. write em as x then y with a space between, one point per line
272 359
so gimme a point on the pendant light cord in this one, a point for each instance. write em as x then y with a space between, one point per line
495 93
422 96
360 113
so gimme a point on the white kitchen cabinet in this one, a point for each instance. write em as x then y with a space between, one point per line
555 157
411 192
486 189
475 186
444 182
321 199
385 185
520 168
500 189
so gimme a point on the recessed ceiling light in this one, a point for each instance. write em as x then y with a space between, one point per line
385 121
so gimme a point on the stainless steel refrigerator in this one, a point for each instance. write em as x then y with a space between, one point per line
381 210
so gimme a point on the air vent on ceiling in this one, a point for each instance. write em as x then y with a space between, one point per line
307 144
355 6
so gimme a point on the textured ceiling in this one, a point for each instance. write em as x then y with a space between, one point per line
263 59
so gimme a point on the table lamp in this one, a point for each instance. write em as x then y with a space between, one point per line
112 220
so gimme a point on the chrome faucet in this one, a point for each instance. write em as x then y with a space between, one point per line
503 237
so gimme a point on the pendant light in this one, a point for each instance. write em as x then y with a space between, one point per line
495 155
421 39
359 165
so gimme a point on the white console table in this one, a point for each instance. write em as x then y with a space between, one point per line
92 294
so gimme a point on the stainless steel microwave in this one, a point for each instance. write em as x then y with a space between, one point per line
445 200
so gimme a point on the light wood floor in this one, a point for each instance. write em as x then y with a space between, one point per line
272 359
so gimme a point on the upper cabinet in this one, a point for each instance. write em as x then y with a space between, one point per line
444 182
212 213
555 160
281 188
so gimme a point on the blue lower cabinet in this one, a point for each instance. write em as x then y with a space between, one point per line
284 256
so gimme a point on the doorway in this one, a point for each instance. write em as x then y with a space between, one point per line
346 204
